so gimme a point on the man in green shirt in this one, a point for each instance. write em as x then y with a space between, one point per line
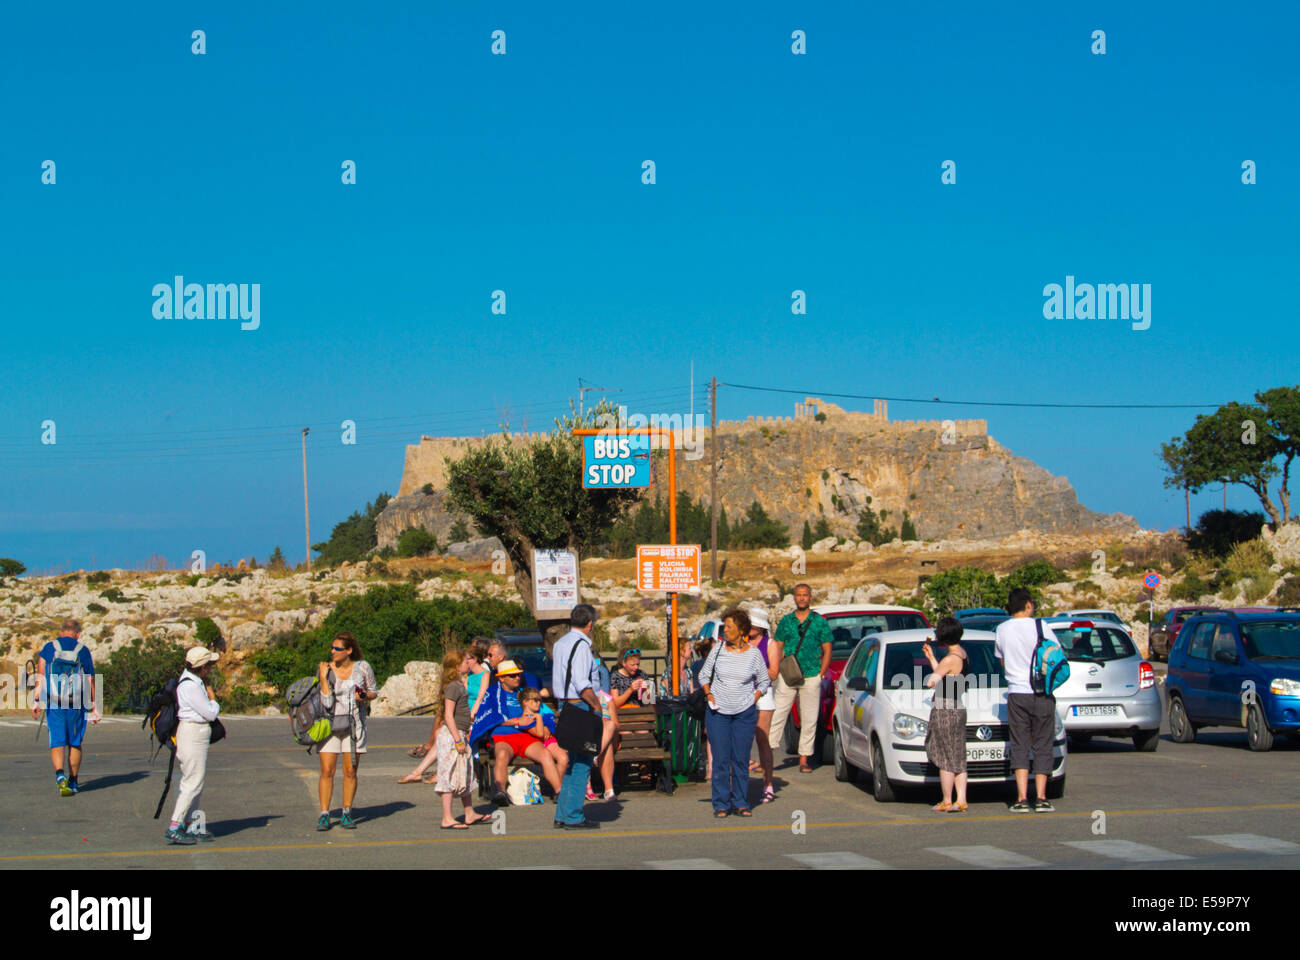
806 636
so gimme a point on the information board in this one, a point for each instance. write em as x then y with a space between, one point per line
555 582
663 568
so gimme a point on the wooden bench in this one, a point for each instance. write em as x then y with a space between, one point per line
639 743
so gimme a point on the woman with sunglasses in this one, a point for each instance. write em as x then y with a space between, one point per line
347 682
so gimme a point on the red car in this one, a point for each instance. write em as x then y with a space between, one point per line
849 623
1165 632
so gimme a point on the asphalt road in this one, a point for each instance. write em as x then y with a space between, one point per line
1211 804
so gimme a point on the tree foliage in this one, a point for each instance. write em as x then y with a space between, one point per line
134 672
354 538
416 542
11 568
648 523
1218 531
759 530
871 528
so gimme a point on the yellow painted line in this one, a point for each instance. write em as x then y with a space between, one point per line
486 837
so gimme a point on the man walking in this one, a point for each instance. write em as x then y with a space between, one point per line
66 686
575 679
1031 716
806 636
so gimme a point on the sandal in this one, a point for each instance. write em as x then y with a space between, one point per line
720 814
453 826
768 794
745 813
411 778
957 808
418 752
943 806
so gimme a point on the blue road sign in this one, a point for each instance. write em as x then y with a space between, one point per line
614 461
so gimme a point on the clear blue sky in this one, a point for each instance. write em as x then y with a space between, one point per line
523 173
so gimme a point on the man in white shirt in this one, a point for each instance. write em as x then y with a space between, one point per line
576 690
1031 716
196 708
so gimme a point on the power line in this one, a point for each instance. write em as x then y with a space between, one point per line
978 403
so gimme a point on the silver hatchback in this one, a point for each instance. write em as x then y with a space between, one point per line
1112 690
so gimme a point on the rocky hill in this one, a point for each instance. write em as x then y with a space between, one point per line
953 479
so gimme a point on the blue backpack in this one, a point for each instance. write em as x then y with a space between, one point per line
1049 667
63 679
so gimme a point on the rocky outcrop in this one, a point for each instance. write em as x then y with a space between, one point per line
417 509
416 686
1284 544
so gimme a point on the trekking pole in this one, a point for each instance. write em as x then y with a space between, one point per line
29 669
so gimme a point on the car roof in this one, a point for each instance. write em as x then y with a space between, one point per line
917 635
1077 611
838 608
1063 621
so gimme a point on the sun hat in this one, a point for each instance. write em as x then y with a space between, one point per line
198 656
508 668
758 618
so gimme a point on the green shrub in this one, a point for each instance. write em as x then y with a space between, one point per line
1191 589
1288 595
134 672
392 628
115 595
100 577
907 530
1248 559
459 532
208 634
758 530
416 542
1218 531
193 579
52 592
961 587
11 568
96 608
241 700
427 489
1035 573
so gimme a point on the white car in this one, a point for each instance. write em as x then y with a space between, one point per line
1093 614
882 707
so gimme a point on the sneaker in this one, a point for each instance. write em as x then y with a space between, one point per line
1021 806
72 785
346 821
174 835
324 822
65 789
1043 806
203 836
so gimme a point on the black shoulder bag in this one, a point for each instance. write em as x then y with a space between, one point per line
577 729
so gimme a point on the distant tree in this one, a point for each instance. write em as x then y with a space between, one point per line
208 634
806 541
1218 531
11 568
354 538
277 559
822 530
416 542
908 529
759 530
870 527
459 532
724 529
427 489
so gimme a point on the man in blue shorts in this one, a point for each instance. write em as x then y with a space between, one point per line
66 686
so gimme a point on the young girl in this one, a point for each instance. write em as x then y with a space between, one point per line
543 729
609 733
455 765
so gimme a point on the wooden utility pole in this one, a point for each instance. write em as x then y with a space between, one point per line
713 479
1187 502
306 514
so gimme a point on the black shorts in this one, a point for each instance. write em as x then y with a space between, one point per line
1032 718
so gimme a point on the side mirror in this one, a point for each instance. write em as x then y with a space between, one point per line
1225 656
857 683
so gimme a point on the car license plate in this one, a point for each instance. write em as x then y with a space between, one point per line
1096 710
992 752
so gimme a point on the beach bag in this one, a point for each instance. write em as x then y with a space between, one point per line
790 670
1049 667
577 729
523 787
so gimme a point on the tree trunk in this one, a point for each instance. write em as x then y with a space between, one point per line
1261 491
1284 495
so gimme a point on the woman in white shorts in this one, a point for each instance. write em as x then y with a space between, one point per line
346 683
759 628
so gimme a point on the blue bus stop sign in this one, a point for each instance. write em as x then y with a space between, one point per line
612 462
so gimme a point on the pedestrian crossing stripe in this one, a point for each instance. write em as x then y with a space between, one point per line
699 863
1125 850
988 857
837 860
1253 843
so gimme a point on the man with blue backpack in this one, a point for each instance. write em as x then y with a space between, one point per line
66 687
1035 666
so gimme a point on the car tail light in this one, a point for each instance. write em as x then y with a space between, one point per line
1081 624
1146 676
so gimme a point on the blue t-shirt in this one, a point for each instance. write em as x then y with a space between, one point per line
512 710
61 698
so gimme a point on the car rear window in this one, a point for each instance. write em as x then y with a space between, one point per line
1095 643
1271 640
846 631
904 660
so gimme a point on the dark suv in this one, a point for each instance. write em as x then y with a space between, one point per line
1237 670
1165 633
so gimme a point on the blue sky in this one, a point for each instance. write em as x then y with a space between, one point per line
522 173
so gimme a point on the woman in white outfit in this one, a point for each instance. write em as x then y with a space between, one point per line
346 683
759 629
196 709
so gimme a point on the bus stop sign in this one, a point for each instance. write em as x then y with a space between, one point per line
612 462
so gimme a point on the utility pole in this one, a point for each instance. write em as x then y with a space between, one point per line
306 514
1187 502
713 479
582 393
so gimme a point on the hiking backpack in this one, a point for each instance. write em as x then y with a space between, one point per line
1049 667
309 722
63 679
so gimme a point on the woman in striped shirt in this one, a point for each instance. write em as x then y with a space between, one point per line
733 677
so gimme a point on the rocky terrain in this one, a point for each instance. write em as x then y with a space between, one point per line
260 606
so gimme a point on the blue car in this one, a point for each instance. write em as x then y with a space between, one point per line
1237 670
968 612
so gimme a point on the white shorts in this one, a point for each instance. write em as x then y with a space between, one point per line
336 745
767 701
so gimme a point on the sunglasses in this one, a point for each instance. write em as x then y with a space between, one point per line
338 649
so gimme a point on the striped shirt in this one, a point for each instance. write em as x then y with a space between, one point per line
736 678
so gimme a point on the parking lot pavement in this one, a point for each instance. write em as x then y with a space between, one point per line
1208 804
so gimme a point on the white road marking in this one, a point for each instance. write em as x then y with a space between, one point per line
989 857
1124 850
1254 843
838 860
701 863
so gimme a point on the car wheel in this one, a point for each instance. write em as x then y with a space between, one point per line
1080 739
844 771
881 788
1180 725
1056 788
826 748
1258 735
1146 741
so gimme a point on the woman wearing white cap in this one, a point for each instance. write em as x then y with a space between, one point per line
759 628
196 709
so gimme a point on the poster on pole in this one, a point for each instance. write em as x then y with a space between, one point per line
555 582
668 568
